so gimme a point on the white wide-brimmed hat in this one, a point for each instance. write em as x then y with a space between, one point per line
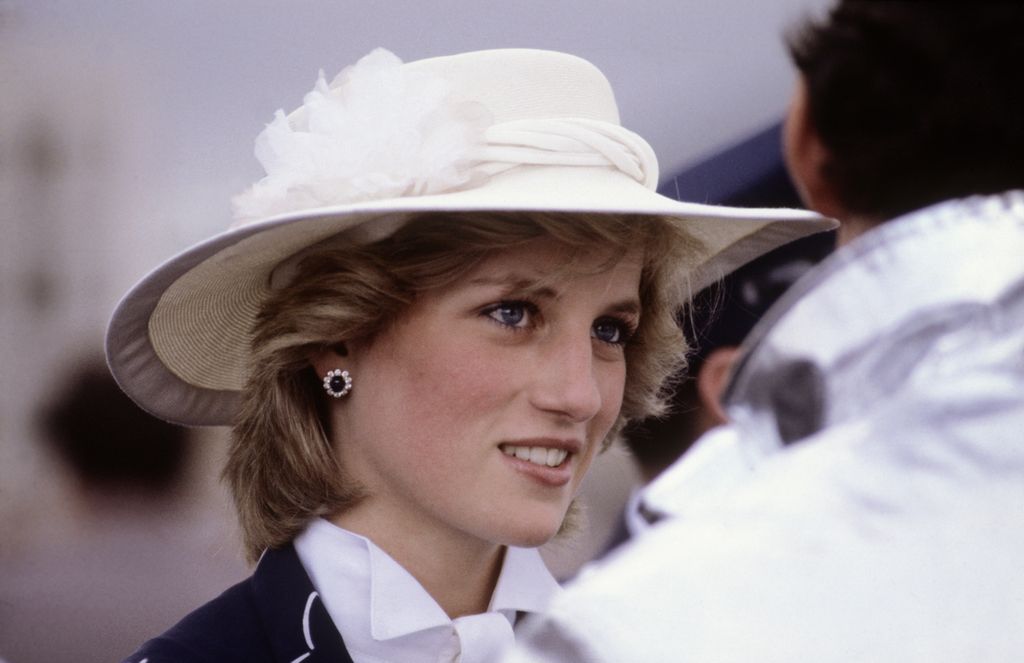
500 130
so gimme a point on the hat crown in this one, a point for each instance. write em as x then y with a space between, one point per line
533 84
383 129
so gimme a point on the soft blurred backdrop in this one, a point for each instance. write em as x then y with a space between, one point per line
125 127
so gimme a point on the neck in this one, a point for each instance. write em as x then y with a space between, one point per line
459 572
852 227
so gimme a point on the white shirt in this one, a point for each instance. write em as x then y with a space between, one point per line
384 614
717 464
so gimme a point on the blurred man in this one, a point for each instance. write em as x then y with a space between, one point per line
880 405
719 319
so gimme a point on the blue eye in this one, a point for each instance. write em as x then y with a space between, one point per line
510 314
610 330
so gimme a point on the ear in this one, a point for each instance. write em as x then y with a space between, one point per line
806 157
329 358
712 379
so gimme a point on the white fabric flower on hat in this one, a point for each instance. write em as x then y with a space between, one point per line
379 130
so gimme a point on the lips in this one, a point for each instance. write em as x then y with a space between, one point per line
547 461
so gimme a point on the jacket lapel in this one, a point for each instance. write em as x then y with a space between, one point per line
294 617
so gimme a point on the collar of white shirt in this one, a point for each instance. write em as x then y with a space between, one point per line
384 614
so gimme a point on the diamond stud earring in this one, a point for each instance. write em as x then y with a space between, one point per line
337 383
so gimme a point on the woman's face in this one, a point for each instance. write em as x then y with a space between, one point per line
478 413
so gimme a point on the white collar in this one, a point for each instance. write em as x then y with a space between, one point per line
384 614
895 277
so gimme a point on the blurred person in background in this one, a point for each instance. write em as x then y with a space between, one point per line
880 403
454 286
719 318
134 555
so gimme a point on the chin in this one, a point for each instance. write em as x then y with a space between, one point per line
538 531
531 540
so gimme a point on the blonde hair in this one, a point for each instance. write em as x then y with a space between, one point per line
282 470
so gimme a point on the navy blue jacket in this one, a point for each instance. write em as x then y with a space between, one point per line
275 616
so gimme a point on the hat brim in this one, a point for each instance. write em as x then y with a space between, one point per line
177 341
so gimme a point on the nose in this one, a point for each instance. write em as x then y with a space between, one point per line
566 382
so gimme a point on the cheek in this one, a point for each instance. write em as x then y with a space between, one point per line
447 392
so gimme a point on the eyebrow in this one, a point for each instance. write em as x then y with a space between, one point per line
626 307
523 286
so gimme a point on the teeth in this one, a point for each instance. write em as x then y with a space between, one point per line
537 455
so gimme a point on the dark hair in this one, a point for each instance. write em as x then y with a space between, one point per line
917 102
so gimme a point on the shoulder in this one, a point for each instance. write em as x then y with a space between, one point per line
225 630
